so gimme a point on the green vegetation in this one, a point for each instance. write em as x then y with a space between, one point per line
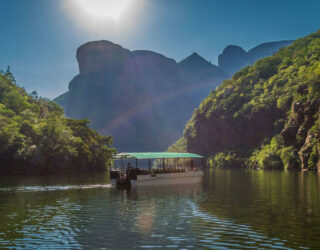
35 137
266 115
224 160
274 155
179 146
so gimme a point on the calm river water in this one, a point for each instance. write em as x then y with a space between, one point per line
230 209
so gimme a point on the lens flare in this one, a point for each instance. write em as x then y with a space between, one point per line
103 9
101 18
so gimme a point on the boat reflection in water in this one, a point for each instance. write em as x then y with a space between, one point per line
157 168
231 208
150 215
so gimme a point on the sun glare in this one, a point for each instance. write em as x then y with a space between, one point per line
105 18
103 9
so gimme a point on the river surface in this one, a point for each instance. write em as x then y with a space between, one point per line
230 209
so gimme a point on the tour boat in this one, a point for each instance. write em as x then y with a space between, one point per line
167 168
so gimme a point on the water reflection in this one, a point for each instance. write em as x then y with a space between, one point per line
283 204
231 209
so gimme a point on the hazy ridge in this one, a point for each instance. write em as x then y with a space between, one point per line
141 97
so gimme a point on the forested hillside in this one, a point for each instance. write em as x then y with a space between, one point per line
144 98
266 115
35 137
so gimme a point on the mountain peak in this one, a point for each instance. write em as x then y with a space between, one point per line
95 55
101 44
234 49
195 60
235 57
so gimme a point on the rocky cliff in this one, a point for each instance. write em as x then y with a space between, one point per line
266 115
140 97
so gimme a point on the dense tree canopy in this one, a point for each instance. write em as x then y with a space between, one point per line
35 137
266 115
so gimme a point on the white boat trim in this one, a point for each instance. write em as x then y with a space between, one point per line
168 178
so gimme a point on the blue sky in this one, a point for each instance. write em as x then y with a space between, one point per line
39 38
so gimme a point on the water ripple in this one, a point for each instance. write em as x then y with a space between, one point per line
99 217
51 188
218 232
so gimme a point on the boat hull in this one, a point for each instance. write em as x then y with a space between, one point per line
168 179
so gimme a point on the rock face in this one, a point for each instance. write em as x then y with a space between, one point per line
140 97
234 57
267 115
297 131
93 57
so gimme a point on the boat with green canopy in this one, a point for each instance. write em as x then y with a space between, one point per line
133 169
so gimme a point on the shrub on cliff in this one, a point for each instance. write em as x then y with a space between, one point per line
277 97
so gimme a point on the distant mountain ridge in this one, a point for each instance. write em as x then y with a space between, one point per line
140 97
233 57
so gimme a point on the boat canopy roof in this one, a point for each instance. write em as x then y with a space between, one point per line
156 155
